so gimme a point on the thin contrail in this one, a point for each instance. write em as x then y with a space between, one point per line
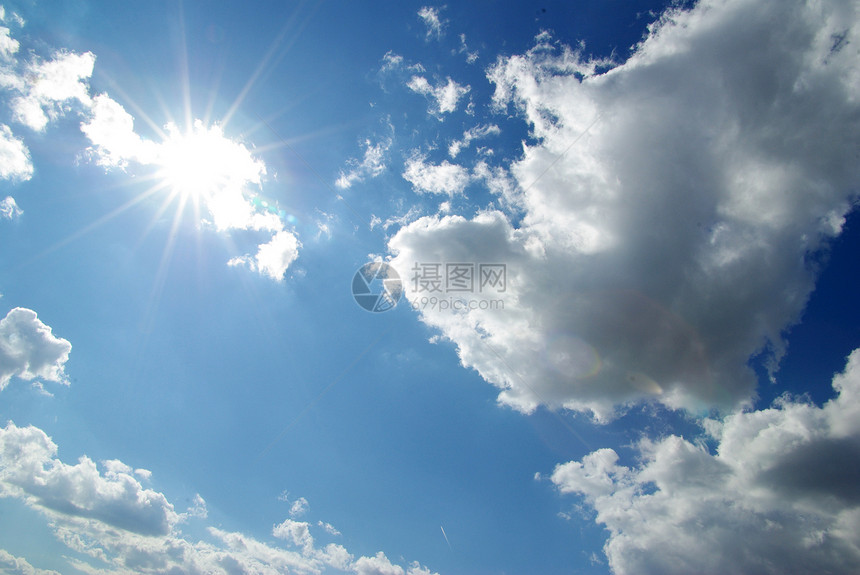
446 538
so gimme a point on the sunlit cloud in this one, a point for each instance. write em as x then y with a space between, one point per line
15 161
665 215
200 164
780 489
49 89
444 178
29 350
116 524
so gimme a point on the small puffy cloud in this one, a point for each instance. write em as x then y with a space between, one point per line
299 507
51 87
273 258
15 161
391 61
443 97
11 565
29 349
779 494
434 23
296 532
476 133
371 165
9 208
662 216
445 178
377 565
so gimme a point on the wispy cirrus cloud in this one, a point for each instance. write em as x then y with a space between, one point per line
373 162
433 21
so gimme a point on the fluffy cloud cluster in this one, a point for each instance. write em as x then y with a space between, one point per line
49 89
30 471
110 517
665 212
29 349
780 494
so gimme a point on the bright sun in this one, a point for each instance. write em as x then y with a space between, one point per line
201 162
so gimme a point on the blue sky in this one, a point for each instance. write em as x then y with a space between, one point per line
666 382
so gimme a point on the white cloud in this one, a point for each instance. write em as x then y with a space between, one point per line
411 215
393 62
30 472
11 565
471 56
476 133
371 165
273 258
29 350
667 208
780 494
8 45
50 88
111 130
434 23
377 565
299 507
328 528
444 178
106 515
15 161
443 97
499 181
9 208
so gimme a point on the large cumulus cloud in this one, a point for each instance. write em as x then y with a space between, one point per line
778 494
666 211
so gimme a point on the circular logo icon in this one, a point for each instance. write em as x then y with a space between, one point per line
376 287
